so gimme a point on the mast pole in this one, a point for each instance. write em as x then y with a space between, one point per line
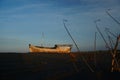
77 47
70 36
112 17
113 53
73 59
42 40
101 33
95 49
95 42
115 65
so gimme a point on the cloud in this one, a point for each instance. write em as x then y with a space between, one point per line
24 7
24 10
82 7
92 8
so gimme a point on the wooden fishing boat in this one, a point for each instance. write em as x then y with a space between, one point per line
58 48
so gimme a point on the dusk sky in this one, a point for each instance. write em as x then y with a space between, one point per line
23 22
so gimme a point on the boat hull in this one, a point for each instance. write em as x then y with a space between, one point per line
57 49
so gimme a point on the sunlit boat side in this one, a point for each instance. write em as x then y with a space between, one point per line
58 48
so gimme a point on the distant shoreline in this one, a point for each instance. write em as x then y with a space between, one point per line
66 53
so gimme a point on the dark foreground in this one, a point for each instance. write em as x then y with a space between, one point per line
45 66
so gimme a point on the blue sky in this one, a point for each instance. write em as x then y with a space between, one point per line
23 22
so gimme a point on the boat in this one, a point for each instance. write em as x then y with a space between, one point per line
58 48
